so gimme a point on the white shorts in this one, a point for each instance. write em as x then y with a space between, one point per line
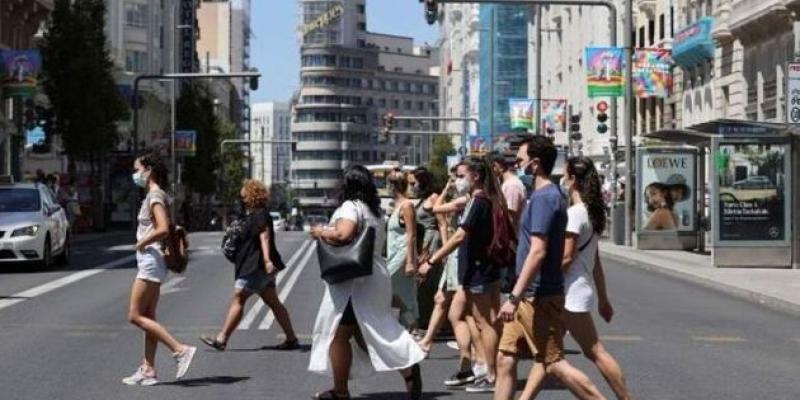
151 265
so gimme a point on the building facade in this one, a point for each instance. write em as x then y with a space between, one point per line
240 36
271 161
350 78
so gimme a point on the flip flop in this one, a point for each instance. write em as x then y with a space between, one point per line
288 345
213 343
330 395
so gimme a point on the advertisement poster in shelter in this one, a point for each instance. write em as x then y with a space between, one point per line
652 75
752 191
667 200
604 75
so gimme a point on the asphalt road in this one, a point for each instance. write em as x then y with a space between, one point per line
64 335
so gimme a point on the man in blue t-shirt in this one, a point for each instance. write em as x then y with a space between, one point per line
534 307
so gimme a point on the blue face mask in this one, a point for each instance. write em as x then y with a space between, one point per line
139 180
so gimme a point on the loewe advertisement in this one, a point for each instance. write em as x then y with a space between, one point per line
752 191
668 191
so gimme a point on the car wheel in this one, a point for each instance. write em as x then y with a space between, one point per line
47 254
63 258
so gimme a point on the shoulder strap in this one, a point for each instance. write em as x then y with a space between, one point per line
588 242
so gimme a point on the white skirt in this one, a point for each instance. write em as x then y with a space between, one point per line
389 346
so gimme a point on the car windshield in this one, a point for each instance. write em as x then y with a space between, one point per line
19 200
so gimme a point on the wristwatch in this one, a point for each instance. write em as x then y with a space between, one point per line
515 300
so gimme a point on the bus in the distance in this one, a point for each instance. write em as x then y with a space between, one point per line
379 174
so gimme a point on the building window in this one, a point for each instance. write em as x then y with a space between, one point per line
661 27
361 9
396 104
398 69
362 26
641 37
421 106
404 87
358 63
399 50
344 62
651 27
394 86
382 103
362 43
136 15
407 104
135 61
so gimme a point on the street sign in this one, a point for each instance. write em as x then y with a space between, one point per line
185 143
602 106
793 93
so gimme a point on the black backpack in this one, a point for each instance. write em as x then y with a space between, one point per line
233 240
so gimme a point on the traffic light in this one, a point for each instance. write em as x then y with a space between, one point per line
388 125
254 83
431 11
602 117
575 127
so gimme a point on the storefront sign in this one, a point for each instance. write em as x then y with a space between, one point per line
694 45
667 201
21 70
187 36
793 93
753 191
185 143
604 71
652 76
323 20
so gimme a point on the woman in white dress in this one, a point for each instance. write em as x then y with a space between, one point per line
360 309
583 273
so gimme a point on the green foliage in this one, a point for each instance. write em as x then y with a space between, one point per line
233 173
442 147
78 80
195 111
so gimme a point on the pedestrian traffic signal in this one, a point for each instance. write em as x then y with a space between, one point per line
431 11
602 117
254 83
388 125
575 123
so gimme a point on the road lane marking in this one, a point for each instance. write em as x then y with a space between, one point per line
298 269
719 339
259 304
621 338
171 285
63 281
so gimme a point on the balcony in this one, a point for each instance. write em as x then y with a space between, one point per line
648 7
753 19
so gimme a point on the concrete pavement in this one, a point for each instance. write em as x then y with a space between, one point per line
775 288
675 340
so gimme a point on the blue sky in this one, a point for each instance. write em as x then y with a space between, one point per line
275 51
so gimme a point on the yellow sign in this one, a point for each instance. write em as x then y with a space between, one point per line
323 20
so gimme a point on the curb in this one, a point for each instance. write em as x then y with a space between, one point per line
770 302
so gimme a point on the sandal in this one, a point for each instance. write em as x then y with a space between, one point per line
288 345
330 395
213 343
414 383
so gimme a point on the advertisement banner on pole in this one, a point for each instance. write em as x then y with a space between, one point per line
521 112
793 93
651 72
21 70
604 75
668 190
554 114
185 143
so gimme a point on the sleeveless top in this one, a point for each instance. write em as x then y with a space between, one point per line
431 240
396 243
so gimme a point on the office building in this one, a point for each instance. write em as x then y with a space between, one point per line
271 121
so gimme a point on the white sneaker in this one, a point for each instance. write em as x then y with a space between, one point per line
184 359
140 378
452 344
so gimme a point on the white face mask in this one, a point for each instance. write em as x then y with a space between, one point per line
463 186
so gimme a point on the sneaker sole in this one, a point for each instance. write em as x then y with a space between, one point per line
145 382
475 390
182 371
459 383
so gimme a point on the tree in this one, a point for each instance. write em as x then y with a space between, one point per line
233 173
79 82
442 147
195 111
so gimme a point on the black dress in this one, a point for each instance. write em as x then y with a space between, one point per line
250 268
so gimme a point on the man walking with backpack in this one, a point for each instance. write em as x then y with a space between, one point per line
535 304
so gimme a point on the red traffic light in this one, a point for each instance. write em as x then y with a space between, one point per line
602 106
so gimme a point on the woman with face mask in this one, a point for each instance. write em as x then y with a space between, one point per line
153 228
401 251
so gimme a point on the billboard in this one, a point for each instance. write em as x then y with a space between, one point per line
21 70
668 190
604 73
753 191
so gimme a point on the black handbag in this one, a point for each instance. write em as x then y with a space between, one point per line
342 263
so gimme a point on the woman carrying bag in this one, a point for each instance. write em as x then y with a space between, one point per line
359 306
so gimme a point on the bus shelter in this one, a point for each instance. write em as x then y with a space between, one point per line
753 190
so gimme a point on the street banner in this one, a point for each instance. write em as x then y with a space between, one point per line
521 111
651 72
554 114
21 70
185 143
668 190
478 146
604 71
753 191
793 93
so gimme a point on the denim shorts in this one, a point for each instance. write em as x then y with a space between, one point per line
151 265
482 288
256 282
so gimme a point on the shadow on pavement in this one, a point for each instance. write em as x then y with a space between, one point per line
400 396
304 348
208 381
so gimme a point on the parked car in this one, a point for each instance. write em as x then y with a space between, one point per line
278 223
754 182
33 226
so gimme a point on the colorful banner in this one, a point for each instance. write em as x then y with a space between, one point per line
651 72
21 70
185 143
521 111
604 71
554 114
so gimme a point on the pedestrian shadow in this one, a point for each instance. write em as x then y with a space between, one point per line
303 348
400 396
208 381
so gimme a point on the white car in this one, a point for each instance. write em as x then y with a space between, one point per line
33 226
278 222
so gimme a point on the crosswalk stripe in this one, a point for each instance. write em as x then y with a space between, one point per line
258 304
719 339
621 338
298 269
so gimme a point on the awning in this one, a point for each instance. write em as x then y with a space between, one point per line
682 136
700 134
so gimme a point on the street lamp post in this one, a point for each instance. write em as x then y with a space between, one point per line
173 112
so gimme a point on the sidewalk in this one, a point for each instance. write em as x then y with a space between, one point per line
88 237
775 288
